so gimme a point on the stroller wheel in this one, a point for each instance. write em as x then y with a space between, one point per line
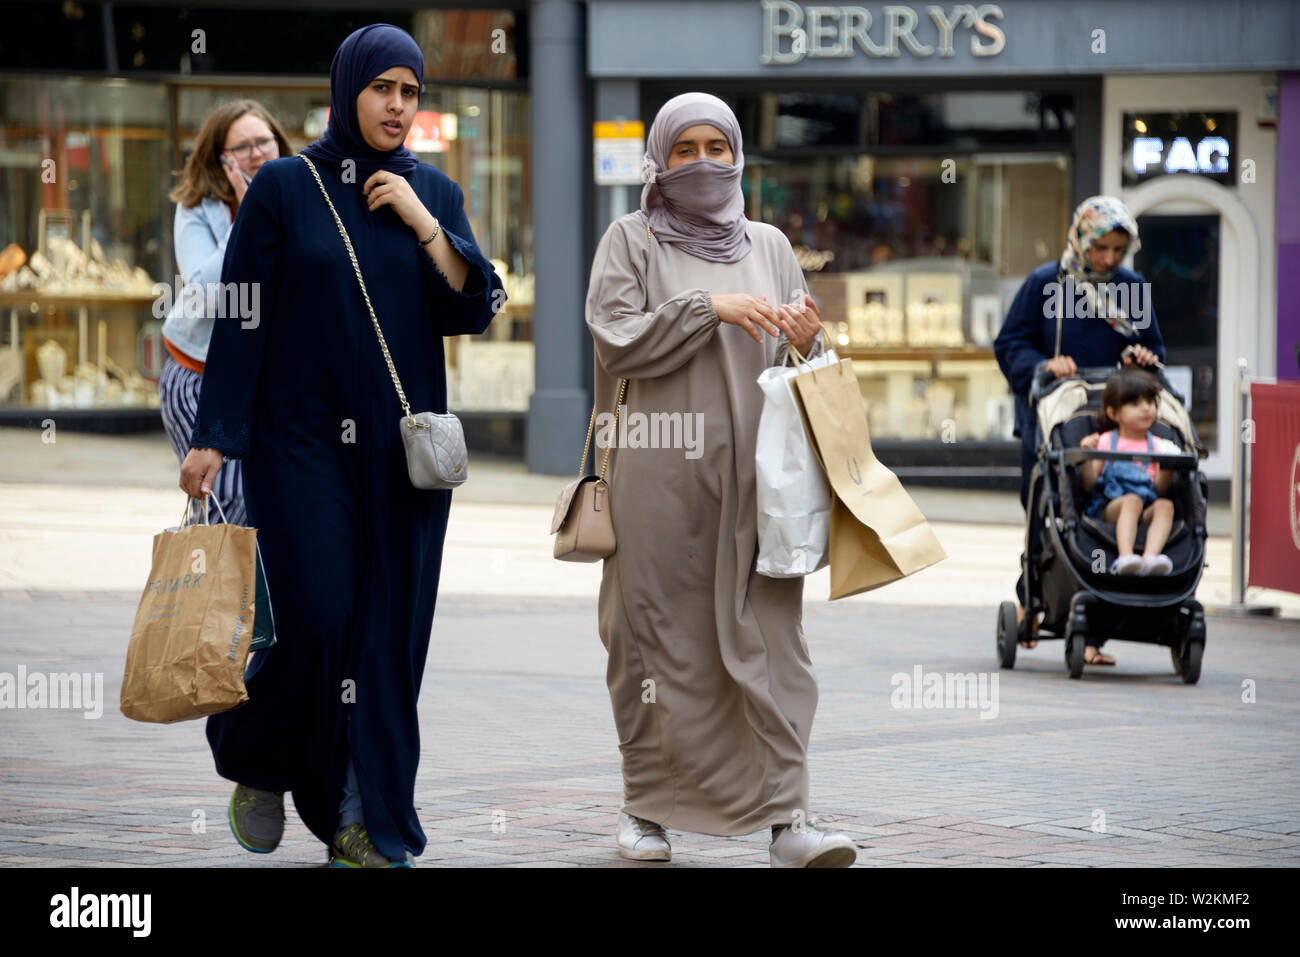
1076 635
1187 659
1008 634
1191 663
1074 645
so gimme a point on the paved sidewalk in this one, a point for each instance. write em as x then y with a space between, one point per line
1126 767
99 537
520 764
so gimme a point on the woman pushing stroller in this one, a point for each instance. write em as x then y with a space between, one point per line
1036 334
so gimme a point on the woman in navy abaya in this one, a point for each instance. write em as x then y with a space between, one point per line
301 393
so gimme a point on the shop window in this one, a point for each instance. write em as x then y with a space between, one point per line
914 261
84 163
82 246
963 121
486 150
464 44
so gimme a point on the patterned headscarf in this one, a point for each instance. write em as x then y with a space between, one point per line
1095 217
698 205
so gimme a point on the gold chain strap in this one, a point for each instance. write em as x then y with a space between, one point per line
582 467
383 345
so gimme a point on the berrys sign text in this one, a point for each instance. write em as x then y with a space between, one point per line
792 31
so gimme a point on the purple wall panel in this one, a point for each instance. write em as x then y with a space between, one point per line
1288 225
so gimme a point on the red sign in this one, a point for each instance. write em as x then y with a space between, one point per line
426 133
1275 487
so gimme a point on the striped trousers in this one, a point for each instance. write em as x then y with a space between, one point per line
178 397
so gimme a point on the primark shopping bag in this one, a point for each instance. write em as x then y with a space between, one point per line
877 534
193 628
794 497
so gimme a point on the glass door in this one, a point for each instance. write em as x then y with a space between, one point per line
1180 259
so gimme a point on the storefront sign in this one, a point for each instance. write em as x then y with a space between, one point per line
1157 144
792 31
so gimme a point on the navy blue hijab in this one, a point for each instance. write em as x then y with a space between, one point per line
360 58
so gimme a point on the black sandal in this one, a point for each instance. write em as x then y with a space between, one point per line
1020 616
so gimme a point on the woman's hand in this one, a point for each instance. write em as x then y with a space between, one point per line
388 189
199 470
1142 356
801 323
1090 441
1062 366
749 312
236 177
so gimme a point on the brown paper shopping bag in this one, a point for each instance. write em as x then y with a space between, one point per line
877 534
192 630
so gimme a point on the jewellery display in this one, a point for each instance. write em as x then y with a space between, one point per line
55 345
67 270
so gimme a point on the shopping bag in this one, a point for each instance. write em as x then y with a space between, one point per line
263 616
794 497
877 534
191 636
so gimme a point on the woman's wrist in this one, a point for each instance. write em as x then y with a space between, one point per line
426 224
433 234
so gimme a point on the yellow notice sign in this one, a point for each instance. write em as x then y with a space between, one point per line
617 130
619 147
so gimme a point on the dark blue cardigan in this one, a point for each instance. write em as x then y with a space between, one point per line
1028 337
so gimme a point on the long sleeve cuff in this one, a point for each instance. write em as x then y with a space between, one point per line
784 357
215 437
477 281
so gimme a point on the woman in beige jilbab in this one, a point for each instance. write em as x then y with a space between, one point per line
712 688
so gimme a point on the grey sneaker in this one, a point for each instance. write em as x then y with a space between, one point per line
257 818
352 848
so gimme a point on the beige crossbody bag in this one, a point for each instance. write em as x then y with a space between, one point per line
582 524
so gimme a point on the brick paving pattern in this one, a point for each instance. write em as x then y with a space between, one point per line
520 763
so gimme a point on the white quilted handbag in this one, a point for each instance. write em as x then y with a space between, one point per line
436 456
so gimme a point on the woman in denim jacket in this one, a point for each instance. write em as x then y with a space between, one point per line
234 142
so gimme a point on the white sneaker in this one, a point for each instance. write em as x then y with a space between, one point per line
1126 565
809 847
1156 565
641 840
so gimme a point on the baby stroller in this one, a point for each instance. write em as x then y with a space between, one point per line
1068 553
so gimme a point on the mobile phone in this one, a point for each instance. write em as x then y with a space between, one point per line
227 162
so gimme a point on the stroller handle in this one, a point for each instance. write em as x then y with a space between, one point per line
1045 381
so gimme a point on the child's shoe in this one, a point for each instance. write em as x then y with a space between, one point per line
1126 565
1156 565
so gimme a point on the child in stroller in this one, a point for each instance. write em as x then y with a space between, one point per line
1073 554
1125 492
